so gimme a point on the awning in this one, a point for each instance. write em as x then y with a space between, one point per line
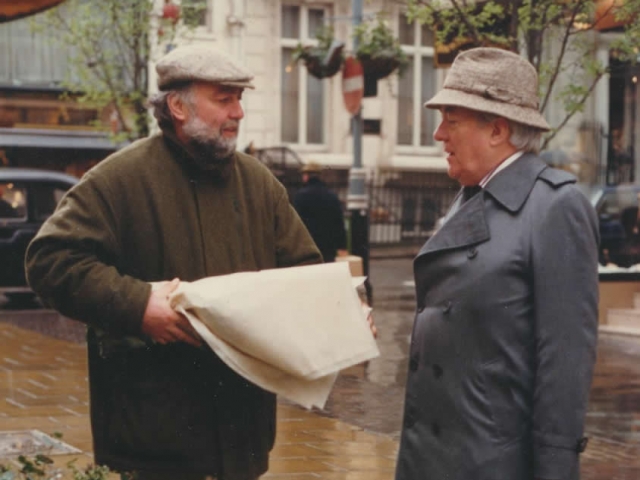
41 138
14 9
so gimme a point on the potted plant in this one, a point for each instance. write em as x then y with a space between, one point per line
379 52
324 59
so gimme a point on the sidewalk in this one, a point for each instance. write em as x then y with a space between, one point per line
43 386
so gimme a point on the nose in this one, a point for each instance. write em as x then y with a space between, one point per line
237 112
440 135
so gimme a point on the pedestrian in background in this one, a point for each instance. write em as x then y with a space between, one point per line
182 204
321 212
504 338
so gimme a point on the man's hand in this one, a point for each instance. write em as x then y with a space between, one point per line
162 323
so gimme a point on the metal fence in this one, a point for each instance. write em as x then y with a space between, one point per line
403 206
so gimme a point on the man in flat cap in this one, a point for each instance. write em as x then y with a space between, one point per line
504 337
182 204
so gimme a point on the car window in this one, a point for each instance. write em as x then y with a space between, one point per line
13 202
45 198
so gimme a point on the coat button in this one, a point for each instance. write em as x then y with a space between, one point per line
413 363
437 370
472 253
447 307
435 429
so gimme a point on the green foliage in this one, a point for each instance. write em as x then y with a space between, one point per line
41 467
376 40
324 36
110 45
535 28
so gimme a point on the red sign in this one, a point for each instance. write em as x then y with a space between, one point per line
352 85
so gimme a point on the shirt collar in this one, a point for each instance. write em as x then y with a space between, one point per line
501 166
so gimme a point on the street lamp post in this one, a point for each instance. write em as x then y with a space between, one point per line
357 202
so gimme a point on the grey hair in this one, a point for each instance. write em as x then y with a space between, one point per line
159 102
523 137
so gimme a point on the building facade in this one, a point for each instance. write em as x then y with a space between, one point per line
290 108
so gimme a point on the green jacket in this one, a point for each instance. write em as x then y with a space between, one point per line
148 214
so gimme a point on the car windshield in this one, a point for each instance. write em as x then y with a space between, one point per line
13 202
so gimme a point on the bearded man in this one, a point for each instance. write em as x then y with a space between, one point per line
181 205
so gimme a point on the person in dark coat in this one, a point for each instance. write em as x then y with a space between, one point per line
504 338
182 204
321 212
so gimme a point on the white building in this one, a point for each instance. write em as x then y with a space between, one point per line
293 108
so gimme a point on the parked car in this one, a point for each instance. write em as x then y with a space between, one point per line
27 198
618 215
283 162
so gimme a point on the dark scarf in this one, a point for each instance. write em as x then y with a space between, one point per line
195 163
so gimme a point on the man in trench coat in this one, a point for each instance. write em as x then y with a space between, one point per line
504 339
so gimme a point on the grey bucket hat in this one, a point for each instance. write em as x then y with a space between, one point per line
494 81
203 63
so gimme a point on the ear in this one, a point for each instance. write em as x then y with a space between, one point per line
177 107
500 133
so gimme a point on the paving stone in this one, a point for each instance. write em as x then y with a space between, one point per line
354 438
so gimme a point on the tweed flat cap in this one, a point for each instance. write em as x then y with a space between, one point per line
203 63
494 81
311 167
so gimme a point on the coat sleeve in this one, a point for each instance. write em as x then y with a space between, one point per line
565 279
294 245
71 264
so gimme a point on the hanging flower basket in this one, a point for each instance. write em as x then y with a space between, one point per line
323 60
376 68
322 63
380 54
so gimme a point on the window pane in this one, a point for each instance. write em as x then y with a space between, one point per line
428 117
406 31
195 12
290 21
44 200
426 36
405 107
316 20
12 202
290 90
315 110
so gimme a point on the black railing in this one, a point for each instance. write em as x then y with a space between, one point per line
404 207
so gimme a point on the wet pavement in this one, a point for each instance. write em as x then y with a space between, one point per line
356 436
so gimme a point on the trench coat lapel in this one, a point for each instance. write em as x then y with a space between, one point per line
468 226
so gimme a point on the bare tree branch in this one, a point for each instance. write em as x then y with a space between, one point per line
573 112
563 48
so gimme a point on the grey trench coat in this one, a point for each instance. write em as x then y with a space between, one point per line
504 338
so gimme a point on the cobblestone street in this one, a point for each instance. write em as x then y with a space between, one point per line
43 386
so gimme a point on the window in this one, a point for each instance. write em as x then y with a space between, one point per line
416 124
302 96
13 202
44 199
30 58
197 12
